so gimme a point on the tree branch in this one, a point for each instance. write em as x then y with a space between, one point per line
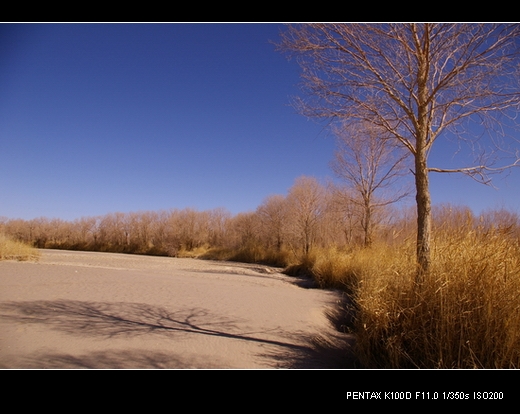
478 173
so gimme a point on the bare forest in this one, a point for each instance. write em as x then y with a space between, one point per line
281 231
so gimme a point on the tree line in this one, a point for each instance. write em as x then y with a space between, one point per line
283 229
311 214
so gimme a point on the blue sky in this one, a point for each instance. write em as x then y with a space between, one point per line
99 118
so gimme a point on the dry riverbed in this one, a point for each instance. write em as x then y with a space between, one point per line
102 310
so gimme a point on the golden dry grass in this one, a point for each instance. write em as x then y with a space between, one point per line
15 250
465 315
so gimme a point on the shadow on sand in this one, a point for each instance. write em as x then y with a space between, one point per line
100 319
113 359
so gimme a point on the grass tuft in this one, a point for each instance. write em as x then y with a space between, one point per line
15 250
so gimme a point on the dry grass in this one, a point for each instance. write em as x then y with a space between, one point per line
466 315
194 253
251 254
15 250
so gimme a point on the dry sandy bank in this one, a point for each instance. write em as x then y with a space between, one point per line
100 310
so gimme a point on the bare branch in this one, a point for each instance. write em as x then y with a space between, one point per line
479 173
368 160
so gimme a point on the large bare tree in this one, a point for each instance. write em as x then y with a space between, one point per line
416 81
371 165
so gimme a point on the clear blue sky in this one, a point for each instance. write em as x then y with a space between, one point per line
99 118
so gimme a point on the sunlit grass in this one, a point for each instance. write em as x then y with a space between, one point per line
15 250
465 315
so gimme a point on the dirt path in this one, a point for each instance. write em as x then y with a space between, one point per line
100 310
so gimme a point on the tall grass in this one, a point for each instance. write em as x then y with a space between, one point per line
466 315
15 250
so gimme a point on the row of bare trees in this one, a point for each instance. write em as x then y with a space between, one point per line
162 232
311 214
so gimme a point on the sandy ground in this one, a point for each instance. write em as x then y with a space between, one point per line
101 310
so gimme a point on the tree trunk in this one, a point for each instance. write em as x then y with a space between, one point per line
423 200
422 185
307 242
367 223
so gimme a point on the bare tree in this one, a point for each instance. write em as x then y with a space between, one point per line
273 214
246 227
305 207
371 164
416 81
219 217
342 214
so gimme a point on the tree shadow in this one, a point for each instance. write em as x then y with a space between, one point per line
328 351
109 320
113 359
334 349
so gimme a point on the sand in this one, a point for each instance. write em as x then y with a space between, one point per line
113 311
